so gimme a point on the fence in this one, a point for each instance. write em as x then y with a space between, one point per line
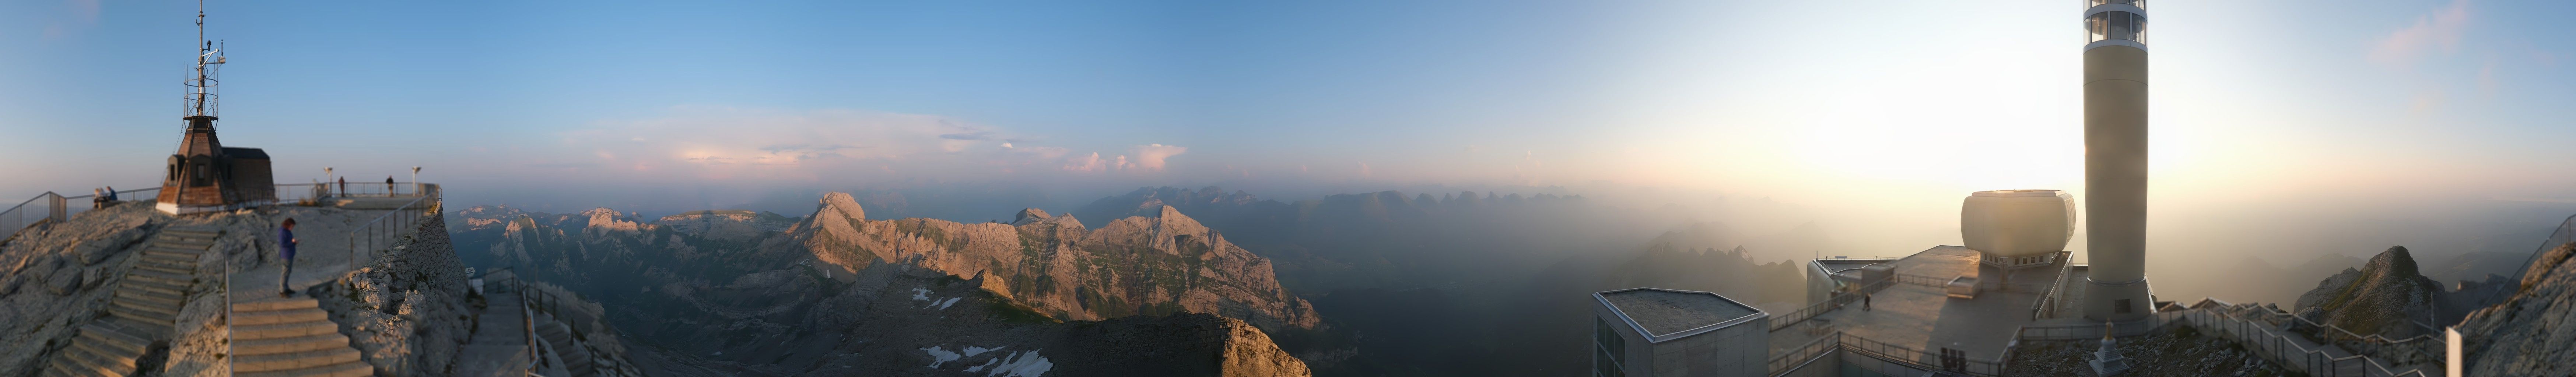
2290 353
1951 361
2566 233
1837 301
385 229
52 207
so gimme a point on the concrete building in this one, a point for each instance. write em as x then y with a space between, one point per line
2115 161
1662 332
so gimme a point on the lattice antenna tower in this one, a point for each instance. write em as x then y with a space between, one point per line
201 99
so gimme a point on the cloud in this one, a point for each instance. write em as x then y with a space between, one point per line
977 135
735 144
1151 157
2440 30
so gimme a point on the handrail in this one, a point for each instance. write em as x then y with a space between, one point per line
2566 233
380 228
1835 302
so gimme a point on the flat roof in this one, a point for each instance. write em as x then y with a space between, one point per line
1925 317
1665 314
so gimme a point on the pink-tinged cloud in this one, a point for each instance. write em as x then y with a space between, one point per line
2440 30
1151 157
721 143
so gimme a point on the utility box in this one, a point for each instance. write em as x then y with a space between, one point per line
1963 287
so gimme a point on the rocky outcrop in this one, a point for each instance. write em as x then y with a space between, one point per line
1154 265
2533 331
2386 296
730 224
839 294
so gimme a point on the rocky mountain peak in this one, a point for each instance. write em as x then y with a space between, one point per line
2385 296
1029 215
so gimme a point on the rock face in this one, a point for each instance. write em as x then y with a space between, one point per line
835 293
2533 332
1137 265
2386 296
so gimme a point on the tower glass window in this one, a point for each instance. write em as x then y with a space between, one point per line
2115 25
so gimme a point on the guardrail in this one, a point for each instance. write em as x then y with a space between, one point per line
2566 233
1951 361
2292 354
1837 301
383 231
52 207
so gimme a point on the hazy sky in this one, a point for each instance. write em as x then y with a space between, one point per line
2277 111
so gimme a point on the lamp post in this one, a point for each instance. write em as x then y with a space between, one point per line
415 181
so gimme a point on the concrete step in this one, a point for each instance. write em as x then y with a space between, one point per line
112 337
284 330
348 369
174 251
290 345
180 243
140 316
113 358
144 307
292 361
268 304
166 269
136 293
270 317
154 287
189 263
164 277
191 233
77 360
64 365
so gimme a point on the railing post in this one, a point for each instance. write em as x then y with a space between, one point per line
56 200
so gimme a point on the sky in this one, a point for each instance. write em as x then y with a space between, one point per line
2308 118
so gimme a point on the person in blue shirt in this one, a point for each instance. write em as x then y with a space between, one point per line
286 251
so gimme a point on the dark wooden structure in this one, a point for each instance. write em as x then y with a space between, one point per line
205 176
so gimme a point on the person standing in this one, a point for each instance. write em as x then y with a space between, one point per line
286 252
389 185
344 186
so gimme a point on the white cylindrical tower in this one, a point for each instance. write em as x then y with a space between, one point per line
2115 160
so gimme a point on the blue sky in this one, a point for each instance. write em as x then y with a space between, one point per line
1895 107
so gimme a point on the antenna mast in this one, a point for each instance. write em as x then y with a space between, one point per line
200 101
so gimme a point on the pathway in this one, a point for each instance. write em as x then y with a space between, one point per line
290 336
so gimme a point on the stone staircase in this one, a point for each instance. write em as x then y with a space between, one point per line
278 337
144 307
576 358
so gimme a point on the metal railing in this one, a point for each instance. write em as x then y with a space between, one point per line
382 232
2292 354
51 207
1954 362
1837 301
2566 233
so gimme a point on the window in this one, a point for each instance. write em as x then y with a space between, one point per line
2115 25
2120 306
1609 351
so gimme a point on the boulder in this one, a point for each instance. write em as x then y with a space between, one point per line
64 282
95 250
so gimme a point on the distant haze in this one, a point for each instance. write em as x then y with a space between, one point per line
2283 131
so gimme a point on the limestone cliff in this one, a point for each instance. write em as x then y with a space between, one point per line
835 293
2386 296
1137 265
2533 332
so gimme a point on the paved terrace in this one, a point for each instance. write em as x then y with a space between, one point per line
325 253
1912 315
